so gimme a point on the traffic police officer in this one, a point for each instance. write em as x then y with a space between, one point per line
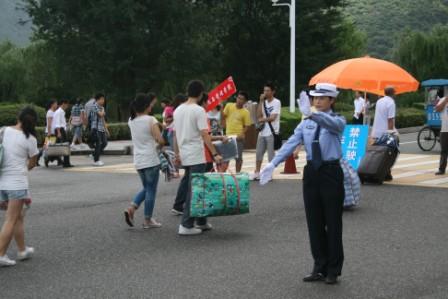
323 180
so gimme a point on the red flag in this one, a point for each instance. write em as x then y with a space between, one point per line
221 93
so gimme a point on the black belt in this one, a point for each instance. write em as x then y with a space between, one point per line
325 163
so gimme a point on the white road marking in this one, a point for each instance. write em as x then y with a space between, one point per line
413 173
435 182
400 166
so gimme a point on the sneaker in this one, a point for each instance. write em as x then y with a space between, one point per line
5 261
183 231
204 227
98 163
176 212
254 176
27 254
152 224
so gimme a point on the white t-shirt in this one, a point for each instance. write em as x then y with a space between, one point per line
385 109
59 120
273 107
50 114
359 107
17 150
145 146
444 117
189 121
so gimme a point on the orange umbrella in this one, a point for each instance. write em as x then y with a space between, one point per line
367 74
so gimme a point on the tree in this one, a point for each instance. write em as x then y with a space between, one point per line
12 72
424 55
121 47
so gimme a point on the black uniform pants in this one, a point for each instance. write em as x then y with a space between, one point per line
359 121
323 192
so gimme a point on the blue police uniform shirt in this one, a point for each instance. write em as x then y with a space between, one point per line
331 129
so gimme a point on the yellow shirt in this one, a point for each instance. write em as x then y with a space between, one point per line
236 119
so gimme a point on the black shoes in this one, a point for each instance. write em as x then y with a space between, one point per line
314 277
440 172
331 279
68 166
388 178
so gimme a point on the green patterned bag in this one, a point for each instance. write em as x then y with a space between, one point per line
219 194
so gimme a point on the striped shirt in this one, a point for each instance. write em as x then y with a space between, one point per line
97 122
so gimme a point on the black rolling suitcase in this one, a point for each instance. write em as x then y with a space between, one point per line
376 163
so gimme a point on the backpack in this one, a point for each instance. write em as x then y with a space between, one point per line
389 140
91 135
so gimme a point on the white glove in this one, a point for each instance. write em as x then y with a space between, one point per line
304 104
266 174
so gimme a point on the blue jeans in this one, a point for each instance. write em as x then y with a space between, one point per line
185 188
150 180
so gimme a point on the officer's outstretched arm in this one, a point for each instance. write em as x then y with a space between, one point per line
288 148
333 122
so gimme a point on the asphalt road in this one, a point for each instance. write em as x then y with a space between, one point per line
395 244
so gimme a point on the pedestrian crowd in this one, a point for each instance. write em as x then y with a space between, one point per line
199 141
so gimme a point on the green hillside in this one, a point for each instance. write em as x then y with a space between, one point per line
10 27
384 20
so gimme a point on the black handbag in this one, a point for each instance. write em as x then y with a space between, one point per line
277 137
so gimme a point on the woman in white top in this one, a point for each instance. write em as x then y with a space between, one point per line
19 156
359 103
146 137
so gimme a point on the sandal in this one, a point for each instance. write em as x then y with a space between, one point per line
129 217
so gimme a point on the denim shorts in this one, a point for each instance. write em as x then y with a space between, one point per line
77 131
6 195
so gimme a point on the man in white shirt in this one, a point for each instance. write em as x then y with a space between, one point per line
191 132
384 114
385 118
359 103
265 142
49 128
442 108
60 128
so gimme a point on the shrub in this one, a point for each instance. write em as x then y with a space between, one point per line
410 117
8 114
419 106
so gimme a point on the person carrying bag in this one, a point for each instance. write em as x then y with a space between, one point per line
277 137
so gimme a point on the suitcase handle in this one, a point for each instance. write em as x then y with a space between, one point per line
237 186
224 188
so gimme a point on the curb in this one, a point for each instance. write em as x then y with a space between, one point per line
112 152
410 130
128 149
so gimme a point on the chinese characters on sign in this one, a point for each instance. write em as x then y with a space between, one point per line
221 93
354 143
432 116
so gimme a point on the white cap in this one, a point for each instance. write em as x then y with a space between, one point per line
325 90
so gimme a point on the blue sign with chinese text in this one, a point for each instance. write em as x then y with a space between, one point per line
354 144
432 116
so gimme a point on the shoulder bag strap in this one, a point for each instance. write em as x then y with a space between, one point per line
269 123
